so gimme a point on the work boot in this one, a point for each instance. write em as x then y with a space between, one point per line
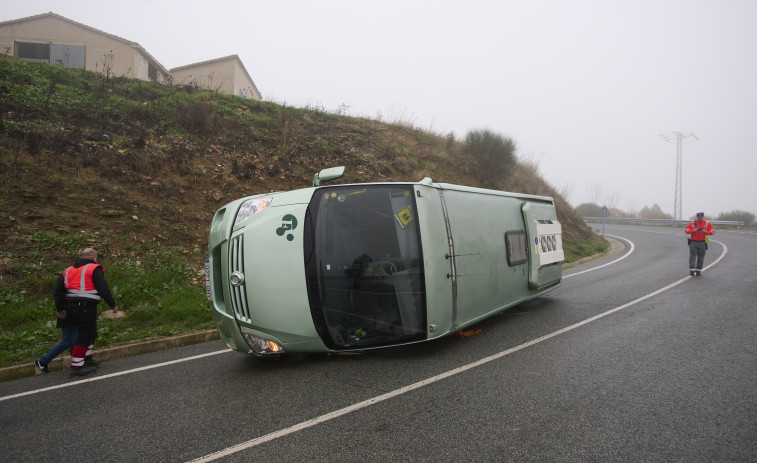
699 272
81 371
90 362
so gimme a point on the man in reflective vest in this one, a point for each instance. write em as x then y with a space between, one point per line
699 230
81 287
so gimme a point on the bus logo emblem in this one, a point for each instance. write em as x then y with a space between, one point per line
289 222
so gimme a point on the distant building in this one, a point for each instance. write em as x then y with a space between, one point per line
224 75
51 38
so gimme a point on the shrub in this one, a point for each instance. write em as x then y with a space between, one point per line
494 155
196 115
589 210
738 216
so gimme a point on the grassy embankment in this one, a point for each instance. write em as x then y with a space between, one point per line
136 170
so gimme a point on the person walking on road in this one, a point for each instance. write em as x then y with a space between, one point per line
82 286
698 230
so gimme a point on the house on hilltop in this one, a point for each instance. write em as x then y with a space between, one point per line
51 38
224 75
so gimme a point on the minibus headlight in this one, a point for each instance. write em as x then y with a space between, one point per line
251 207
263 346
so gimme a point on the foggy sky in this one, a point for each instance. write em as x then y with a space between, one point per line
585 88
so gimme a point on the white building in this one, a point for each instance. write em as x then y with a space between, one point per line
224 75
51 38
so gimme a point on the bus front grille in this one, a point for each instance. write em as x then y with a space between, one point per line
237 286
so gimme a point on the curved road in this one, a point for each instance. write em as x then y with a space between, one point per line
630 360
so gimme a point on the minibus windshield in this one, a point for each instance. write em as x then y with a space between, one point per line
364 266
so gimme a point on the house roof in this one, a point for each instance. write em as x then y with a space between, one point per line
217 60
134 45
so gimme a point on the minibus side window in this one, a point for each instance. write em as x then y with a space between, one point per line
517 247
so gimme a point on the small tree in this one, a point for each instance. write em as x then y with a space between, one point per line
738 216
654 212
589 210
494 155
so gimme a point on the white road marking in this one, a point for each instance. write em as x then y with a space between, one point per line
609 263
111 375
380 398
403 390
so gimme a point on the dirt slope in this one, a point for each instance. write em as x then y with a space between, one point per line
136 179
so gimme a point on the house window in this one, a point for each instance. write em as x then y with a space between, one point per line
33 51
70 56
152 72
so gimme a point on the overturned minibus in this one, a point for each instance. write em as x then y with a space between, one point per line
345 268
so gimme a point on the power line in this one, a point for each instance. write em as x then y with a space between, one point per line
680 138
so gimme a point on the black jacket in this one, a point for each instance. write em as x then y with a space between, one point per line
98 279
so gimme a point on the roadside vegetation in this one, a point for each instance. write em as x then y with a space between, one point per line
655 212
161 294
136 169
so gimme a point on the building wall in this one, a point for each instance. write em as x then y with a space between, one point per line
243 86
223 75
102 53
217 76
108 54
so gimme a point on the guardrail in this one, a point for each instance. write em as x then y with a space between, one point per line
656 222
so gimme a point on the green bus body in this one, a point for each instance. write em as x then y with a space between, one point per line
354 267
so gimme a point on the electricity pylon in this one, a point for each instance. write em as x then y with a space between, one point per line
680 138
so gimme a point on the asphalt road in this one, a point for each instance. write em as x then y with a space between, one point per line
630 360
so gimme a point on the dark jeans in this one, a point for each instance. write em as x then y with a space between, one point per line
69 336
696 255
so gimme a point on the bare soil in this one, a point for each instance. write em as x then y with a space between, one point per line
131 190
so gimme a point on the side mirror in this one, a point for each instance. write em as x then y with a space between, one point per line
328 174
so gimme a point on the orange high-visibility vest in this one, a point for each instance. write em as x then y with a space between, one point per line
79 284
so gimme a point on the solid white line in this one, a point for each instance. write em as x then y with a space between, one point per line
403 390
609 263
112 375
725 251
